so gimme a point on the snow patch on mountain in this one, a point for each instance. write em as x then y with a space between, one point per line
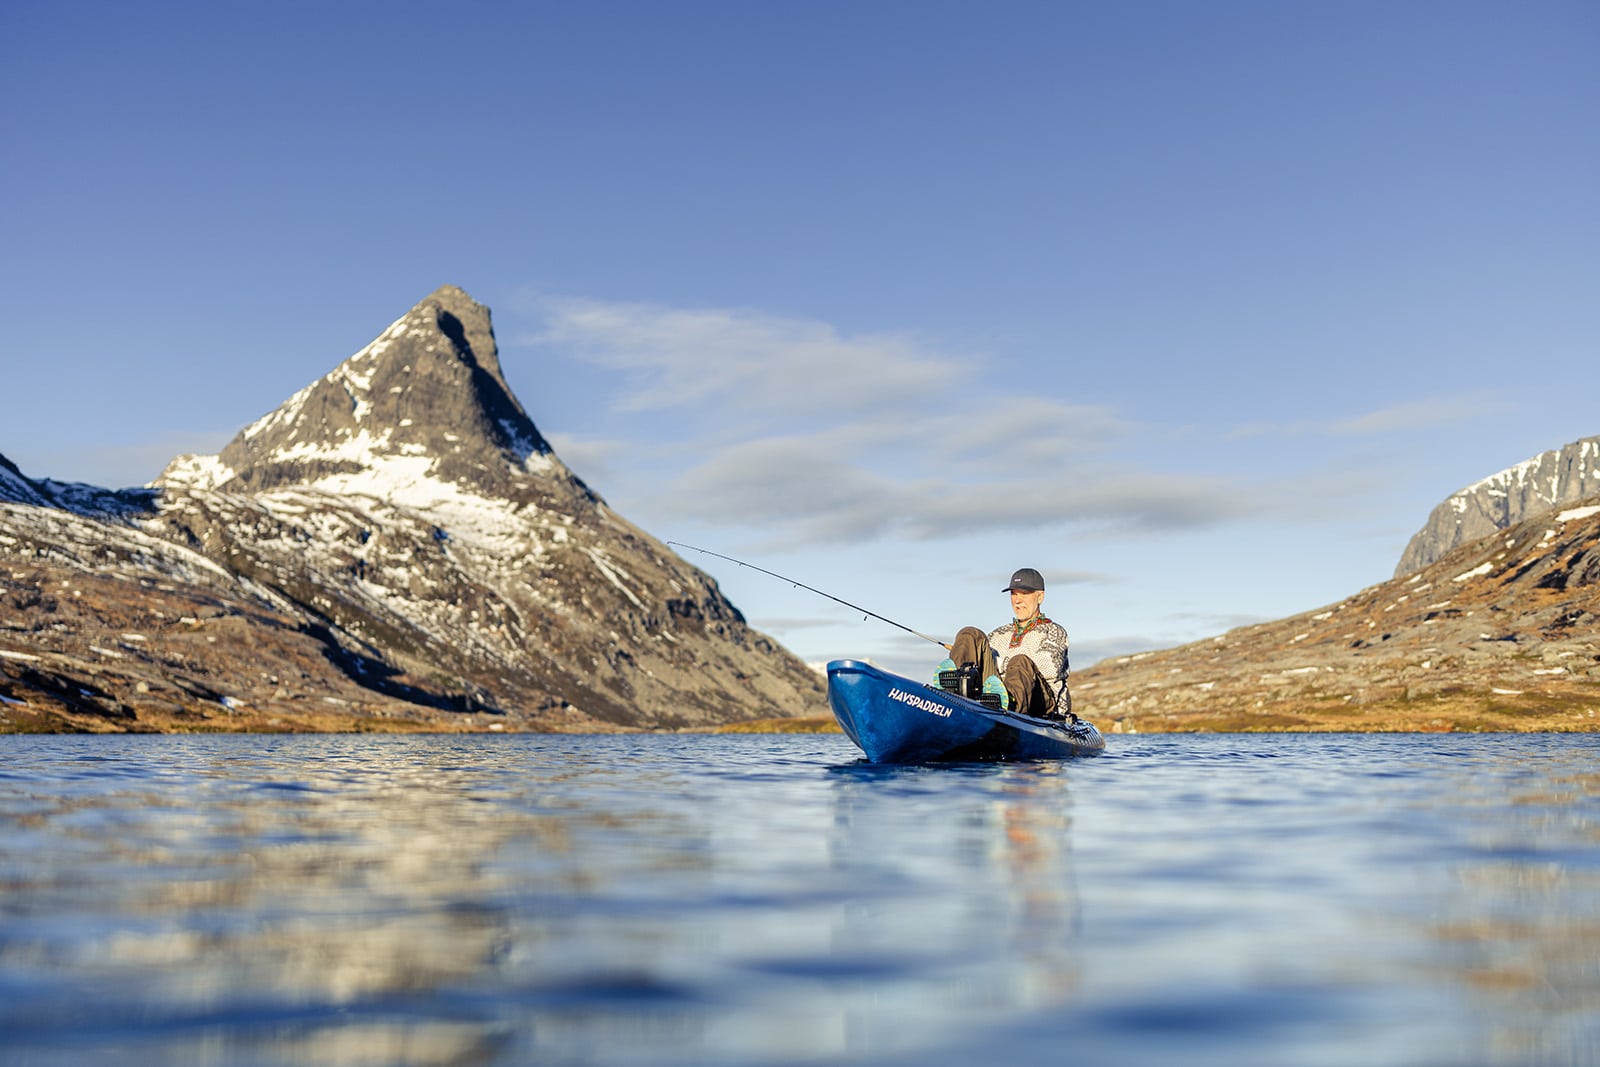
189 471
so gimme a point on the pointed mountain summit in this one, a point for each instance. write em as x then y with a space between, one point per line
425 402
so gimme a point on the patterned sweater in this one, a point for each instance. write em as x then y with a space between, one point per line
1044 641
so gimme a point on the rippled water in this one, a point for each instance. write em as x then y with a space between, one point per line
769 900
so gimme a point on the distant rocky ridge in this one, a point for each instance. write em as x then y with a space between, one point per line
16 487
395 547
1546 482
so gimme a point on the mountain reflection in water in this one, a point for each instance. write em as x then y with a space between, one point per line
771 900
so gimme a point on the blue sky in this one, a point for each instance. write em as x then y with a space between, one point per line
1199 308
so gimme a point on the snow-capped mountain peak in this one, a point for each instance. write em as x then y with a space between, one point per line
426 402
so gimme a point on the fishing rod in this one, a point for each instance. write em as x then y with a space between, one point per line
802 585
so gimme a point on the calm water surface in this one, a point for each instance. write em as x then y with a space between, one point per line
1229 900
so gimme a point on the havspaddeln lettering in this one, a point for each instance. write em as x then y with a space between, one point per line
923 703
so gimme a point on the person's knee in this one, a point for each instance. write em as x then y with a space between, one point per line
1027 689
968 646
1021 671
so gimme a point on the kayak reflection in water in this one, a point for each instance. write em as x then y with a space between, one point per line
1024 662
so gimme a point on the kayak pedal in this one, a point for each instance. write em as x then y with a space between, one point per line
967 682
963 682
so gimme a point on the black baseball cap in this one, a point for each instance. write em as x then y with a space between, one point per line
1027 580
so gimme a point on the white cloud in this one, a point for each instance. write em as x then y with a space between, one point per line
591 458
821 493
824 437
1054 578
1213 623
882 388
1411 415
675 357
1418 414
1020 431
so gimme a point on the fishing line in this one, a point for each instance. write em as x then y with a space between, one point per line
802 585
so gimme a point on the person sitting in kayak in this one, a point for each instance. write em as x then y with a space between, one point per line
1023 662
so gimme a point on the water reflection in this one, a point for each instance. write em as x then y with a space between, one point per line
772 901
1519 925
1435 897
974 868
204 907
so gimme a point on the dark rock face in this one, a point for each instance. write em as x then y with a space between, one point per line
1544 483
404 516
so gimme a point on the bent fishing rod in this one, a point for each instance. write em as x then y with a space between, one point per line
802 585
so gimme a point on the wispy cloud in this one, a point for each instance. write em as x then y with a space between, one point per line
675 357
1211 622
591 458
887 387
1060 577
830 437
1437 411
822 494
1395 418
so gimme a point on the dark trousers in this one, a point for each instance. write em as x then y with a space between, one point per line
1028 692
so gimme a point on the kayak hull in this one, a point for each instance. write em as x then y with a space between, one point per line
896 720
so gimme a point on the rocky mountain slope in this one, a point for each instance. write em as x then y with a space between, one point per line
1550 480
396 546
1499 634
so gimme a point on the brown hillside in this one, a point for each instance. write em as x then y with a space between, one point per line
84 652
1500 634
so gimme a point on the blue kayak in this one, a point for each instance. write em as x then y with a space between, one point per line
896 720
